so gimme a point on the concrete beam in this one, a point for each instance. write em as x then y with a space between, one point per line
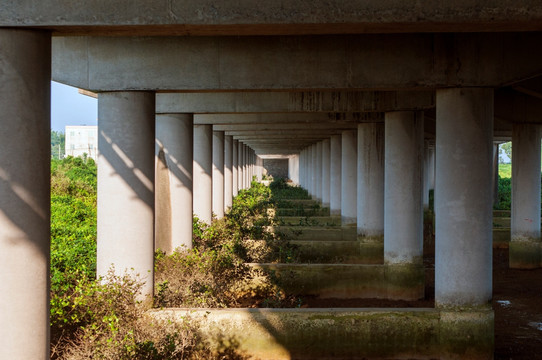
207 17
285 126
363 62
286 102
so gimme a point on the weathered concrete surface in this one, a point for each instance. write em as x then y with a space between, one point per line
525 219
310 220
181 17
203 172
403 209
363 62
125 225
302 211
25 189
501 238
345 333
335 169
228 172
370 179
317 233
339 251
348 281
173 181
218 174
336 103
463 197
349 177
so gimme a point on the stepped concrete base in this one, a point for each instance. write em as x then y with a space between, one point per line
348 281
311 220
525 254
343 252
501 213
344 333
501 238
335 233
501 222
301 211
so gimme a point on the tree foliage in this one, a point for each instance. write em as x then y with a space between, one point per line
58 144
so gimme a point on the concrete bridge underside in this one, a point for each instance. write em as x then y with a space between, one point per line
193 94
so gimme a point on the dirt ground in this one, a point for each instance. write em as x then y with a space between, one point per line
517 301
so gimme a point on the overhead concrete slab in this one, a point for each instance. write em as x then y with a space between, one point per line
361 62
335 103
207 17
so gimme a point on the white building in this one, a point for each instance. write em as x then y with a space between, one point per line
82 140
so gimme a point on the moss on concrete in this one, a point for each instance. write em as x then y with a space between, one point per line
395 282
525 253
501 238
346 333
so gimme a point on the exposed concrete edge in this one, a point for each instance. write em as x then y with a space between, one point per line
353 333
347 281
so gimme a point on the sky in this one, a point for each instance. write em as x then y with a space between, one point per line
68 107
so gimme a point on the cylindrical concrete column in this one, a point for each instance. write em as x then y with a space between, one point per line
218 174
25 75
495 184
173 181
348 177
302 169
463 199
228 171
319 170
203 172
525 222
429 171
370 167
314 171
335 183
325 172
235 168
240 160
126 127
246 167
403 210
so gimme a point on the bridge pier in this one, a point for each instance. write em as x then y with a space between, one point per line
126 143
525 222
173 181
203 172
25 72
348 177
218 174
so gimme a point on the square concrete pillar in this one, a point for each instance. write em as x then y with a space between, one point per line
228 171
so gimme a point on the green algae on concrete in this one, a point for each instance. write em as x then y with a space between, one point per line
501 213
501 238
311 220
458 329
344 333
340 252
347 281
501 222
329 233
525 253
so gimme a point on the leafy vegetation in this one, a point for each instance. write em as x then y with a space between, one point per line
58 144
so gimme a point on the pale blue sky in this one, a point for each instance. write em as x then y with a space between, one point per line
68 107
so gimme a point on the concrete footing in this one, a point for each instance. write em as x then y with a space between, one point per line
348 333
348 281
